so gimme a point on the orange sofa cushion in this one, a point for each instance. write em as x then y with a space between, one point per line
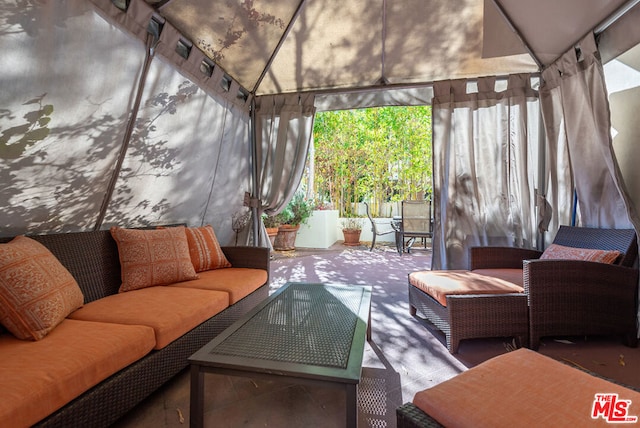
36 291
238 282
170 311
153 257
441 283
204 249
38 378
520 388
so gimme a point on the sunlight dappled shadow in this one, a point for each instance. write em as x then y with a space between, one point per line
416 353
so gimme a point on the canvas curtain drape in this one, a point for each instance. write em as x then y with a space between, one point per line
283 132
576 114
61 121
485 148
576 111
67 96
175 173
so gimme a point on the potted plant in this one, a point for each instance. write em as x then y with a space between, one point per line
271 223
351 229
297 212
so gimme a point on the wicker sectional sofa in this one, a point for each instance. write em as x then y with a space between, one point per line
91 369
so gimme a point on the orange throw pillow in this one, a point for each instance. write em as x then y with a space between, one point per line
205 250
560 252
36 291
153 257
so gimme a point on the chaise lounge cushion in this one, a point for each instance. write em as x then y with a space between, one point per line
37 378
511 275
238 282
153 257
170 311
440 284
36 291
520 388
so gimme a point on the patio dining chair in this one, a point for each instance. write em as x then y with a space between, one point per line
416 223
380 228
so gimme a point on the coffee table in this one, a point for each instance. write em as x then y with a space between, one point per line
311 333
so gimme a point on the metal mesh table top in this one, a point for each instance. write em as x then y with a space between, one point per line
307 323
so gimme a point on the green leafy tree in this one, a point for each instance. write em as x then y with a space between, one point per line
378 154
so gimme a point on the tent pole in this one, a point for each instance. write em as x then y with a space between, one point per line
606 23
255 196
542 182
152 41
383 78
391 86
611 19
517 32
294 18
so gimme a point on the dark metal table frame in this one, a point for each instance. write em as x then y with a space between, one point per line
213 358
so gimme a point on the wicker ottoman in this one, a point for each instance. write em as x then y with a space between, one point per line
465 305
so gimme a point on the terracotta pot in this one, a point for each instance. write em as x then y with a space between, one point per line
286 238
271 233
351 237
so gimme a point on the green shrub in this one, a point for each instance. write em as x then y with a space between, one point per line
297 211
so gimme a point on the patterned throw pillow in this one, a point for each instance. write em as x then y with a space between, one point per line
36 291
153 257
205 250
560 252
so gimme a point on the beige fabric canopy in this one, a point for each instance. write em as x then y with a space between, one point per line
131 112
284 46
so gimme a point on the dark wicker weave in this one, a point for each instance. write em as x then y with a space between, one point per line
577 298
474 316
92 258
563 297
479 316
410 416
500 257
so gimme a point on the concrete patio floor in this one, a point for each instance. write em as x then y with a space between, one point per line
406 354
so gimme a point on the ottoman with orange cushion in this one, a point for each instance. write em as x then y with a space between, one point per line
522 388
466 305
584 283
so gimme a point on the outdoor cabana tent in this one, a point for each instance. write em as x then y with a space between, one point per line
130 112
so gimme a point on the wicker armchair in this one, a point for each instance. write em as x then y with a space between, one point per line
568 297
561 297
572 297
